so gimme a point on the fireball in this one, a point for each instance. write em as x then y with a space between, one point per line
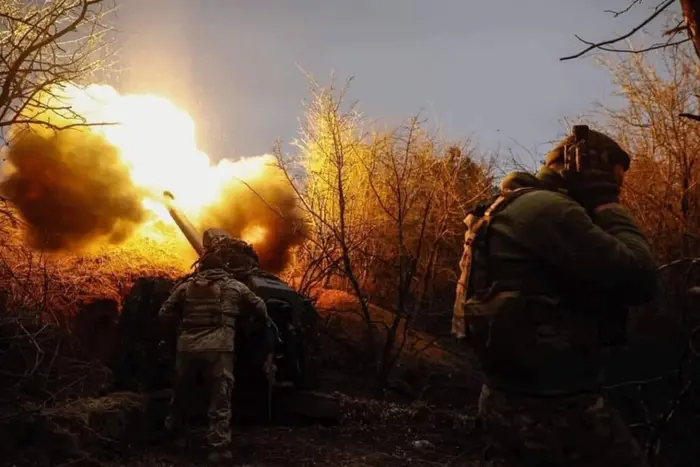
93 170
157 142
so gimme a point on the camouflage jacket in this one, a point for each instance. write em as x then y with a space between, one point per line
543 280
206 306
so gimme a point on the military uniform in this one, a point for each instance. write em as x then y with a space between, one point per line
207 305
545 283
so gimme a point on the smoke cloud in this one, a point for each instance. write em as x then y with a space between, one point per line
88 185
261 209
70 187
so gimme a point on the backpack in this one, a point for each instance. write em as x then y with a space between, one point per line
478 222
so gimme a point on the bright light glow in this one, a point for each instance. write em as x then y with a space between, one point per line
157 142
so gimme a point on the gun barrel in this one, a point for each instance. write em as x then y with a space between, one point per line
184 224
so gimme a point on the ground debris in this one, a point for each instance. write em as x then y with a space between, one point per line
116 429
318 446
381 413
118 417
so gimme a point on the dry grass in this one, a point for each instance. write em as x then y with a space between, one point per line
57 285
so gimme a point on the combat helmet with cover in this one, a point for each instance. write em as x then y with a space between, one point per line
602 152
236 254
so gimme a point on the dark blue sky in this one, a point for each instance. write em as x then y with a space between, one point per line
486 69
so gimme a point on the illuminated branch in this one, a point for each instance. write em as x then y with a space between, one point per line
44 45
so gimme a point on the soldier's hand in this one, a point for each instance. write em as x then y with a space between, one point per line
593 188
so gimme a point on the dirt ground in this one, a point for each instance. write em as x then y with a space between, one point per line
115 431
349 445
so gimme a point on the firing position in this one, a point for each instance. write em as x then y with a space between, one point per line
206 307
548 271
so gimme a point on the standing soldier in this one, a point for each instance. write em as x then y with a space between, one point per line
548 270
206 306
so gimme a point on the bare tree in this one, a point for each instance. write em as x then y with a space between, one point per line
672 34
386 206
665 145
326 175
400 162
44 45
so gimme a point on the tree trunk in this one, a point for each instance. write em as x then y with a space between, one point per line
691 14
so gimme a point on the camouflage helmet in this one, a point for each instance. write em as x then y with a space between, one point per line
213 236
235 252
598 143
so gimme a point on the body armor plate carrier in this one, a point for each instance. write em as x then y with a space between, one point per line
203 305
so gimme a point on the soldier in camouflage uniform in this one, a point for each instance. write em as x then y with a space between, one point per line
549 268
206 306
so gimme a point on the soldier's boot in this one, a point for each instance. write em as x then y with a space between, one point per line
220 456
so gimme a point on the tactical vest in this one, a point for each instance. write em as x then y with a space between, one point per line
527 341
478 223
203 305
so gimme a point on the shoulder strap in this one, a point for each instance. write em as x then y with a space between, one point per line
500 202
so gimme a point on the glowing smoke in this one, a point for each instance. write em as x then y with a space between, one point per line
87 185
71 187
262 210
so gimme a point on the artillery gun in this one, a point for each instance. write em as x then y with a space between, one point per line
291 341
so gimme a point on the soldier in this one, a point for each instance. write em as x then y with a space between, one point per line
206 306
548 270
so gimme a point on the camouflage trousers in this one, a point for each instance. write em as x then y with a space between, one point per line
214 371
581 430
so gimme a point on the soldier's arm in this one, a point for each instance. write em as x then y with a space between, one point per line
172 306
606 250
242 296
252 301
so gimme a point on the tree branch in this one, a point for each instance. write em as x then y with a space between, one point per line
618 13
691 116
5 94
599 45
646 49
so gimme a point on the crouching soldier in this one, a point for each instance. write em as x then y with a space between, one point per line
206 307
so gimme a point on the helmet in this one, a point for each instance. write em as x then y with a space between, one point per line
212 236
234 252
599 144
